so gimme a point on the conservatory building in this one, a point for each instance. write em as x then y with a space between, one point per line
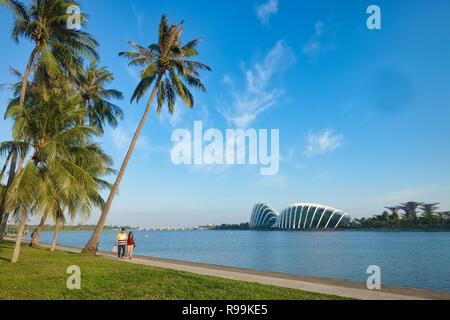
298 216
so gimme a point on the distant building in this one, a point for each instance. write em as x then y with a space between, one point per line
429 207
410 208
299 216
206 227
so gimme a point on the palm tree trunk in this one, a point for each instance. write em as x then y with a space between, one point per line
4 215
92 243
6 212
13 173
55 235
27 74
23 219
37 233
6 164
20 164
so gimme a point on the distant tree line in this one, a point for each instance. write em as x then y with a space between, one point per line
426 220
241 226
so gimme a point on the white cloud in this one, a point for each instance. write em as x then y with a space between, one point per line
226 79
315 45
265 10
324 142
292 158
133 72
179 113
122 139
183 114
258 95
139 17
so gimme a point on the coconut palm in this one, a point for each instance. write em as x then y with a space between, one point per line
53 131
34 94
64 171
12 155
83 197
165 63
29 118
90 83
57 48
37 232
51 178
14 149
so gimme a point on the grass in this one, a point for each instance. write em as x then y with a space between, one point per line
41 275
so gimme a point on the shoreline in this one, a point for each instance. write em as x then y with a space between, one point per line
344 288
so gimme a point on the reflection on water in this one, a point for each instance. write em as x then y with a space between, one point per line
413 259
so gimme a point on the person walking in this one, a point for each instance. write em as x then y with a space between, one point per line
130 245
121 243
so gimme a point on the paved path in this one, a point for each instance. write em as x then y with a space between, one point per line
343 288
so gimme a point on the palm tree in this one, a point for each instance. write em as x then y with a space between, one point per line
83 197
50 174
37 232
165 62
12 155
57 48
90 83
90 87
53 131
15 149
36 92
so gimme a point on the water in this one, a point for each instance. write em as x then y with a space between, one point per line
411 259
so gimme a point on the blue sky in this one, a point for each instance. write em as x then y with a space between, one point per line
363 114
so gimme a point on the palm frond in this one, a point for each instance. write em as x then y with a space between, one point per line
17 8
169 60
142 88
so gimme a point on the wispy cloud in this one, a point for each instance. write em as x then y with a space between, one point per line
257 97
265 10
183 115
292 157
121 139
179 112
133 72
403 195
139 17
316 44
324 142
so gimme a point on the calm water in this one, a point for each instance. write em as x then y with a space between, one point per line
412 259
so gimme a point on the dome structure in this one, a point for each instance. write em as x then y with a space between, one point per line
263 216
298 216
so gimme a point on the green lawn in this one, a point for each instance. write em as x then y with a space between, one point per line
41 274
